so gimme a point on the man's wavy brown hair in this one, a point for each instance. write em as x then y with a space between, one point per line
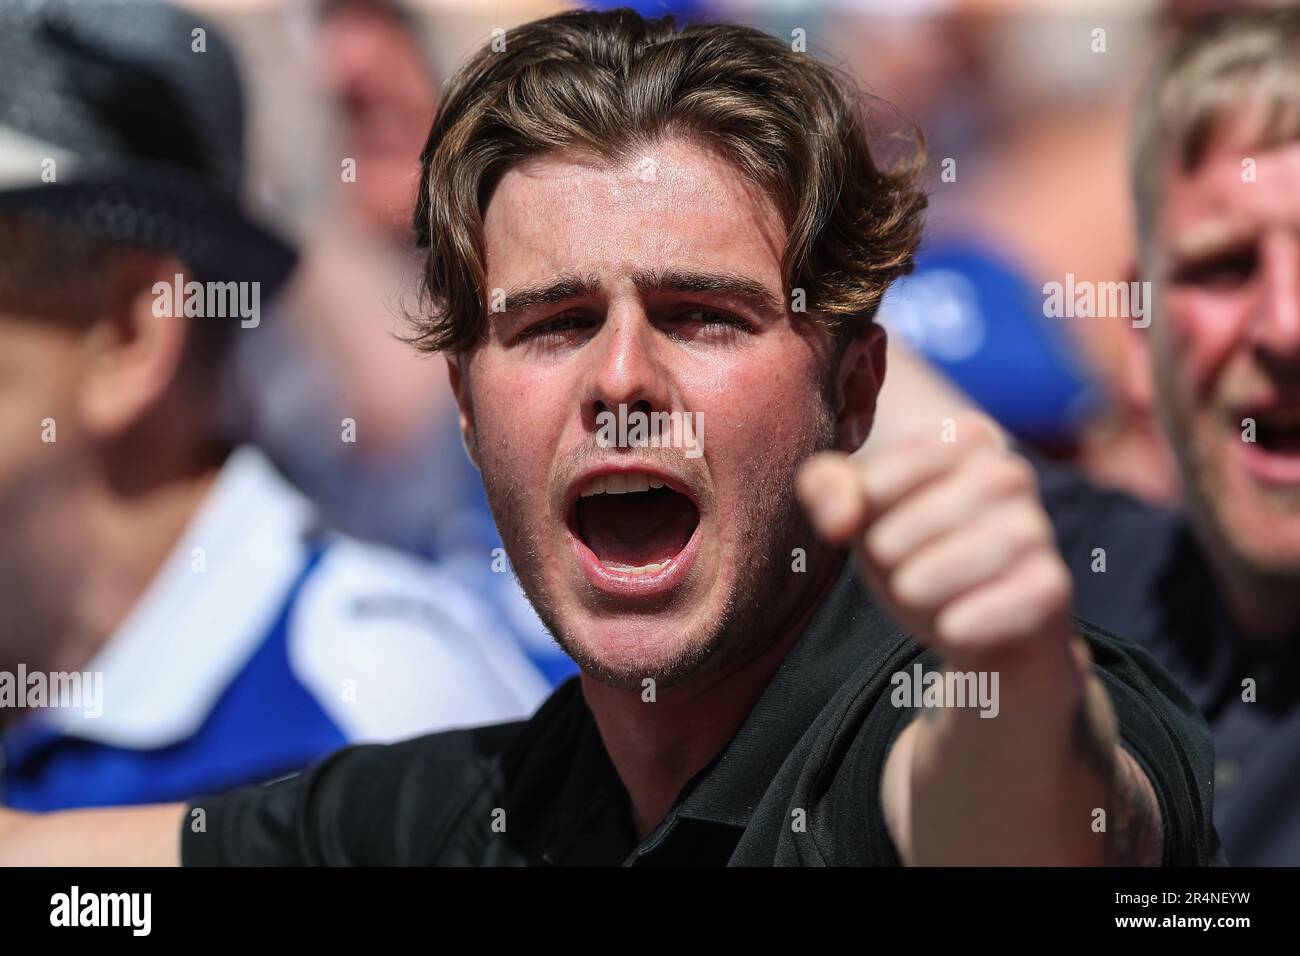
613 82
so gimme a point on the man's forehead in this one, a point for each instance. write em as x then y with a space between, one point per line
652 175
670 205
1233 194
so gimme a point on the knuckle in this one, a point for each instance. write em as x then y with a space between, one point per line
981 458
1017 474
997 474
951 626
944 629
881 547
1051 581
1032 526
907 587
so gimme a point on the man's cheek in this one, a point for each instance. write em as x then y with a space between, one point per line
511 421
1202 341
792 419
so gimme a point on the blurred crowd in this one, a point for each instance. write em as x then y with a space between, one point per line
1026 128
335 422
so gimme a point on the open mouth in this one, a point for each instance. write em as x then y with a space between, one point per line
1272 453
1279 434
634 523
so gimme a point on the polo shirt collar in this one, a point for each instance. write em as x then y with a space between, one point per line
200 619
592 810
838 639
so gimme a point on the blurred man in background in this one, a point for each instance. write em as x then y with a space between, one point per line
219 633
1214 591
405 479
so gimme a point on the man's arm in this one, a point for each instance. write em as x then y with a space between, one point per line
915 396
950 533
959 791
130 836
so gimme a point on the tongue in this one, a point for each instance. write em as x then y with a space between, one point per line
634 530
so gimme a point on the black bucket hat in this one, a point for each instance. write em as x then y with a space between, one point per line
134 110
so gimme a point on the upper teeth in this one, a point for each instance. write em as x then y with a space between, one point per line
620 484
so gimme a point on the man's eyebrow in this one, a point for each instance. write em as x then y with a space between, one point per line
752 293
561 289
569 286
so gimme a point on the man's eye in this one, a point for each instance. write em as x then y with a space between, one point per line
557 328
1221 272
711 317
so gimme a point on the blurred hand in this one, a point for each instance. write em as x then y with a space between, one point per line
953 539
951 535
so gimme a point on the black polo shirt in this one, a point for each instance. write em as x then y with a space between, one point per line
798 784
1158 590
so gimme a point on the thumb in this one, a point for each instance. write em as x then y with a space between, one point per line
830 487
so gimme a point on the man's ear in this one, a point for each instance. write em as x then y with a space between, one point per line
458 375
858 379
134 345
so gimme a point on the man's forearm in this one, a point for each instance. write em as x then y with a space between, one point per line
129 836
10 820
1136 836
916 397
1042 783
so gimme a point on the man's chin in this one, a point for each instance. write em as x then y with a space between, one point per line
1267 542
639 654
1260 525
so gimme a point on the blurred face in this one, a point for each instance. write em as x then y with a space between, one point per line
386 96
39 362
1228 348
653 286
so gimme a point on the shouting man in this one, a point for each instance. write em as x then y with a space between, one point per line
1211 589
628 220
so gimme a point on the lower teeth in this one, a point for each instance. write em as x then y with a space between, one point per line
642 568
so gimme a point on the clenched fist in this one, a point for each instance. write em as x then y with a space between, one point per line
953 539
951 535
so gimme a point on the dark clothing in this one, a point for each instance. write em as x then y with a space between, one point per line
1158 590
798 784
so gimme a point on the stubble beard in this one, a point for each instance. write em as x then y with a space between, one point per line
759 602
1179 419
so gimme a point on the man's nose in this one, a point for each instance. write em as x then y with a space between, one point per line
1276 331
625 367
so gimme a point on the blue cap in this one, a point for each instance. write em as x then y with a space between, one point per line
977 318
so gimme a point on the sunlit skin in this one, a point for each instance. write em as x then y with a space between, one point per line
530 395
535 387
1227 351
